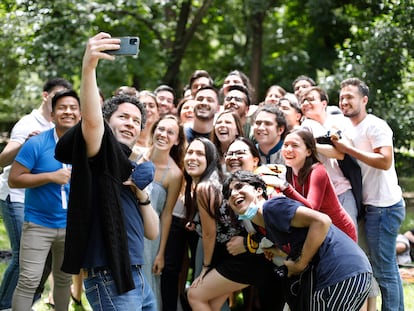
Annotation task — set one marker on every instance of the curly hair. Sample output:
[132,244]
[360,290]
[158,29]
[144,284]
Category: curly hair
[111,105]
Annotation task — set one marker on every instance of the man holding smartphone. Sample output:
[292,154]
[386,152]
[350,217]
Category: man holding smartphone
[108,215]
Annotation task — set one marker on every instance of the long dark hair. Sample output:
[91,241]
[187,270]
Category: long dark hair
[310,161]
[213,174]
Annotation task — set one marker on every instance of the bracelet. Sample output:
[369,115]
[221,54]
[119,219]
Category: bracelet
[252,245]
[206,266]
[146,202]
[285,186]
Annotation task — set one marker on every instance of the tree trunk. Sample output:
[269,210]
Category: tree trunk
[183,36]
[257,50]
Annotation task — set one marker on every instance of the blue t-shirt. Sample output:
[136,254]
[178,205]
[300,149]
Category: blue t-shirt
[96,255]
[339,256]
[190,134]
[43,204]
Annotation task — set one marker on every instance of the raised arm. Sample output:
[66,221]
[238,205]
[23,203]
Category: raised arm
[92,119]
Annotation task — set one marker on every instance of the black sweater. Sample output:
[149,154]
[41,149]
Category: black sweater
[114,168]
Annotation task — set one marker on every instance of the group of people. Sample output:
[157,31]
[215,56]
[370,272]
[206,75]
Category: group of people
[264,199]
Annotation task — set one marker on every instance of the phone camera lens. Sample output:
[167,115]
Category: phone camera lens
[133,41]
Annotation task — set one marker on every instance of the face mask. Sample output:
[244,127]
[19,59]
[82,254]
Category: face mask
[250,213]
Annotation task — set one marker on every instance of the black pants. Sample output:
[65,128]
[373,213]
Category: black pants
[178,240]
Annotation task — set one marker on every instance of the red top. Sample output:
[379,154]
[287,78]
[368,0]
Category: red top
[318,193]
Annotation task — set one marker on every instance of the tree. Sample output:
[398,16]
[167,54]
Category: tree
[272,41]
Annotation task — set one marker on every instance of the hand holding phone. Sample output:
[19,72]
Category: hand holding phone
[128,46]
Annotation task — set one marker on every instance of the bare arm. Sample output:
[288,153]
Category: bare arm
[205,203]
[11,150]
[380,158]
[173,191]
[92,120]
[409,236]
[151,221]
[9,153]
[21,177]
[329,151]
[149,215]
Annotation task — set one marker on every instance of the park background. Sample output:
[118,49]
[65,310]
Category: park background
[272,41]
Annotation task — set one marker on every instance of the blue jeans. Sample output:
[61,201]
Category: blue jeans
[382,227]
[102,294]
[13,214]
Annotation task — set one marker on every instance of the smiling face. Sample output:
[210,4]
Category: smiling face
[187,111]
[352,102]
[165,134]
[313,107]
[242,195]
[125,123]
[206,104]
[266,130]
[165,101]
[237,101]
[195,161]
[225,128]
[274,94]
[239,158]
[295,152]
[301,86]
[151,107]
[66,113]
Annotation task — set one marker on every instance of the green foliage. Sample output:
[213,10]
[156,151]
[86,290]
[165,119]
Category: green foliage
[379,54]
[275,39]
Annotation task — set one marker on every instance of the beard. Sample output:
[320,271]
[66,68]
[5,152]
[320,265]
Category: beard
[204,116]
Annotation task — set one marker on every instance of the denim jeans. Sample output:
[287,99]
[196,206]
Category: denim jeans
[382,227]
[102,294]
[13,214]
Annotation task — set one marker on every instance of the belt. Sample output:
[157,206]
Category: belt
[92,272]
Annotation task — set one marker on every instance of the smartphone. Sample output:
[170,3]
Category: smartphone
[129,46]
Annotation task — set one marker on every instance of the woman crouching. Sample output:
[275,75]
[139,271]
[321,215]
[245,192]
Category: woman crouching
[337,271]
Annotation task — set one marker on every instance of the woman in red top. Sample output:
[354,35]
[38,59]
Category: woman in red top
[308,181]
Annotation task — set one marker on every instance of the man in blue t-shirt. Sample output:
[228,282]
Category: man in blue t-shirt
[108,213]
[47,188]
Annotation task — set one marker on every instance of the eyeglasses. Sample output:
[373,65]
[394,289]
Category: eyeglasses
[236,99]
[237,153]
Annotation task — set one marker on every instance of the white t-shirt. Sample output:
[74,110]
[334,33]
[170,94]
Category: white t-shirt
[27,124]
[333,123]
[379,187]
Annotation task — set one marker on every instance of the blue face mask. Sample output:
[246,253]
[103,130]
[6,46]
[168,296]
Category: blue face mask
[250,213]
